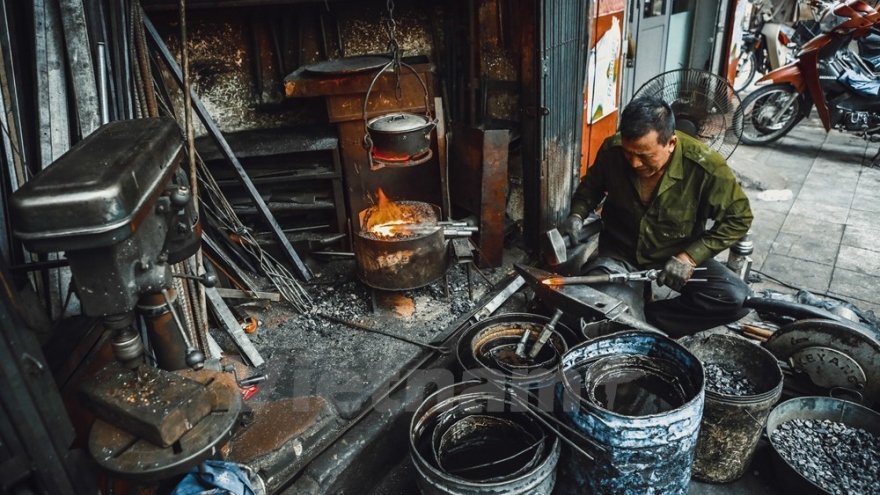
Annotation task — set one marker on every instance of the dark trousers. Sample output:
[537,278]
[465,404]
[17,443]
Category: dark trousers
[700,305]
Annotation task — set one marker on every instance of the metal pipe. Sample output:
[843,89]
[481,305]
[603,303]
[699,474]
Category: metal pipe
[103,97]
[166,342]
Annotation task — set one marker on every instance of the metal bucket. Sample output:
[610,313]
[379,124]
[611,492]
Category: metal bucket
[732,424]
[465,439]
[487,349]
[790,478]
[639,397]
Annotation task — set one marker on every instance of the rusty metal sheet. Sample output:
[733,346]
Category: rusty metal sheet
[301,83]
[346,65]
[478,164]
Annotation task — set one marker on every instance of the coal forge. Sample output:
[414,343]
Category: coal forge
[400,245]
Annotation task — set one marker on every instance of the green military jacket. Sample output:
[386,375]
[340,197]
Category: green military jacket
[697,189]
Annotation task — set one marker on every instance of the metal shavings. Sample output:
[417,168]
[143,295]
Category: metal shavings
[728,382]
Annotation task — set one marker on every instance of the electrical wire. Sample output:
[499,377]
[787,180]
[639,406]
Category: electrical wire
[797,288]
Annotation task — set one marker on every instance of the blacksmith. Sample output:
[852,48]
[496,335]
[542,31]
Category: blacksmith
[671,203]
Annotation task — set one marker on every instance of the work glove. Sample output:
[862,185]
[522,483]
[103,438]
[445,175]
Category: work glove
[572,226]
[675,274]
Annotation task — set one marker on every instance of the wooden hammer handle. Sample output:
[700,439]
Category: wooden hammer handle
[761,333]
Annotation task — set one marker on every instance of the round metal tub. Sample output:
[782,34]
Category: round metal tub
[487,349]
[488,444]
[789,477]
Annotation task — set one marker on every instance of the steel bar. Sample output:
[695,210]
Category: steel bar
[241,294]
[82,70]
[103,81]
[53,122]
[119,35]
[500,298]
[221,143]
[233,327]
[442,350]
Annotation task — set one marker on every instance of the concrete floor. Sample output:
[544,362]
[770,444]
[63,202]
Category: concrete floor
[824,237]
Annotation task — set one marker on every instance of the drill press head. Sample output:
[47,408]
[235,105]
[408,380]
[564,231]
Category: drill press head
[119,206]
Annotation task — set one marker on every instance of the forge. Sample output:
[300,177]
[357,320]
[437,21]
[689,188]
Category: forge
[400,245]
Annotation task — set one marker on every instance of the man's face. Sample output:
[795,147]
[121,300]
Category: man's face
[646,155]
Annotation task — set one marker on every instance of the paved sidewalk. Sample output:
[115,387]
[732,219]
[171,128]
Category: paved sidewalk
[826,237]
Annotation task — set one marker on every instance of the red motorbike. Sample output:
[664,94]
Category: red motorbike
[827,75]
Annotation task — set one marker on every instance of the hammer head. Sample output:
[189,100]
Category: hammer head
[553,247]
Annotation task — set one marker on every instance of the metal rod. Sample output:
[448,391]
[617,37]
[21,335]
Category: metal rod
[545,334]
[220,141]
[103,96]
[177,321]
[442,350]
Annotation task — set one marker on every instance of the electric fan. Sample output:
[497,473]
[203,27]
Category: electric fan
[705,106]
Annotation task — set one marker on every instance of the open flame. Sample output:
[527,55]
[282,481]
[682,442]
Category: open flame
[389,219]
[386,218]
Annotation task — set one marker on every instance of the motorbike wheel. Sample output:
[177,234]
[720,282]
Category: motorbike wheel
[760,108]
[746,68]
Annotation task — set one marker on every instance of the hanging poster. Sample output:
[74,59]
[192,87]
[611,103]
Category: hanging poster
[605,7]
[602,73]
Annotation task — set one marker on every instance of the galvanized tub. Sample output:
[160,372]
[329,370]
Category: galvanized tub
[639,397]
[469,439]
[732,424]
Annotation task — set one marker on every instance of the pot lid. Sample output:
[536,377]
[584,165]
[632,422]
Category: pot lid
[398,122]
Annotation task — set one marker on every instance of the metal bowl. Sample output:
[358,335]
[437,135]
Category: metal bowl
[814,408]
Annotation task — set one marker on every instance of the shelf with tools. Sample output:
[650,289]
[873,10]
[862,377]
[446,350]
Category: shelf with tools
[297,172]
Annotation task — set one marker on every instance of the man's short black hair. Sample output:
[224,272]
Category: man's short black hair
[646,114]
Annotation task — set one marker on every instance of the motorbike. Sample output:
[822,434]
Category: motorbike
[768,45]
[826,74]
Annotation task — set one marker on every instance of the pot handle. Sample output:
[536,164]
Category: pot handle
[368,142]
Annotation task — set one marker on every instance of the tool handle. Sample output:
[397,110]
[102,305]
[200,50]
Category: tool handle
[545,334]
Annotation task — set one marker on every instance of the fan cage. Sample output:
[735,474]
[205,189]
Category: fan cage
[705,106]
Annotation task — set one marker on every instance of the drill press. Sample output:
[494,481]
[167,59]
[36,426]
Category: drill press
[118,204]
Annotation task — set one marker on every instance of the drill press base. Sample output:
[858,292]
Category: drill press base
[130,457]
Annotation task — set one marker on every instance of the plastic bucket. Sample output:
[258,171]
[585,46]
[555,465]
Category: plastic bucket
[470,440]
[638,398]
[732,424]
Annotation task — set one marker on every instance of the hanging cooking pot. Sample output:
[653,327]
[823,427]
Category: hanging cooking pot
[398,139]
[400,136]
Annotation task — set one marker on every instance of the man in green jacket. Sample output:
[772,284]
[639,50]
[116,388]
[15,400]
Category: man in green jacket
[671,203]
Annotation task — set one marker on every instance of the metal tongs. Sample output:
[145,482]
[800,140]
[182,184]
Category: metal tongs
[642,276]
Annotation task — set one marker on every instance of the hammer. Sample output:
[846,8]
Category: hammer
[553,244]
